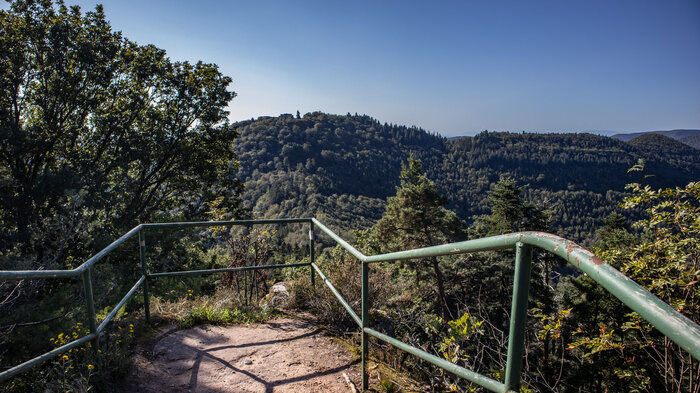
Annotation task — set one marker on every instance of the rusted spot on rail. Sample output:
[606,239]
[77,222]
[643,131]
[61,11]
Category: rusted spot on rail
[597,260]
[454,250]
[569,248]
[544,234]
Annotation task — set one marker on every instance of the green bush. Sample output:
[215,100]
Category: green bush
[80,369]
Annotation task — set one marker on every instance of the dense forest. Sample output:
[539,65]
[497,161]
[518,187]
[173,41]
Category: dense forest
[342,169]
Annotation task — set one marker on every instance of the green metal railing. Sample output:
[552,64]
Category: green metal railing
[668,321]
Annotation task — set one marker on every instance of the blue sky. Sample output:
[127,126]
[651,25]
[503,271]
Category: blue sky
[451,67]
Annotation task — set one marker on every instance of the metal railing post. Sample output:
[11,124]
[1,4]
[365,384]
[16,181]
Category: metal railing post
[144,272]
[518,316]
[365,324]
[312,272]
[92,318]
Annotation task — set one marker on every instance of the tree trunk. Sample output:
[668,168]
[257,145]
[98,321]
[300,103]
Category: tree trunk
[441,290]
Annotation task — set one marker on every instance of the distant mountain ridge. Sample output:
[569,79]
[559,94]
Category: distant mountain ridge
[342,169]
[689,137]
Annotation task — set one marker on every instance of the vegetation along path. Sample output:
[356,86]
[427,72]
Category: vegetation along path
[283,355]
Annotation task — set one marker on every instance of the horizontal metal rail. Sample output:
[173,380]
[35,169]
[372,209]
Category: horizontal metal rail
[462,372]
[39,274]
[47,356]
[226,270]
[121,304]
[204,224]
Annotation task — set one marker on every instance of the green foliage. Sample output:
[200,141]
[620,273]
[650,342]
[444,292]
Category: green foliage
[456,334]
[388,386]
[211,314]
[664,260]
[614,234]
[98,133]
[78,370]
[551,325]
[416,218]
[509,212]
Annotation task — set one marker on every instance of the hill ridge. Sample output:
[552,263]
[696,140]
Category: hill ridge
[690,137]
[342,168]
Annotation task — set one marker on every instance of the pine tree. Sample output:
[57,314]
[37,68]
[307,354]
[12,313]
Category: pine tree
[416,217]
[614,234]
[510,212]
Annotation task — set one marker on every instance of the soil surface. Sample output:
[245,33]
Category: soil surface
[283,355]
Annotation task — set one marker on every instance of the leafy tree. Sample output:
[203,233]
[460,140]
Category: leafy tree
[665,261]
[416,217]
[98,133]
[594,312]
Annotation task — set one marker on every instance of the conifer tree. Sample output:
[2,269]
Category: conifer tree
[510,212]
[416,217]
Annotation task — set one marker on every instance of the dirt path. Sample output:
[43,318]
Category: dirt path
[283,355]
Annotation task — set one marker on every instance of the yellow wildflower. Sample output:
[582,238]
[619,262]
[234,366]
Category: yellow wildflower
[65,357]
[90,367]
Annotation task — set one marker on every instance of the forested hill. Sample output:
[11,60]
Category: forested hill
[688,137]
[342,168]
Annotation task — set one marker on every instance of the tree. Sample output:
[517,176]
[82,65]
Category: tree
[614,234]
[488,278]
[665,261]
[509,211]
[416,217]
[98,133]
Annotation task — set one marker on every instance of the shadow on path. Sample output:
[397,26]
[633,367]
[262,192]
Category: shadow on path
[282,356]
[269,385]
